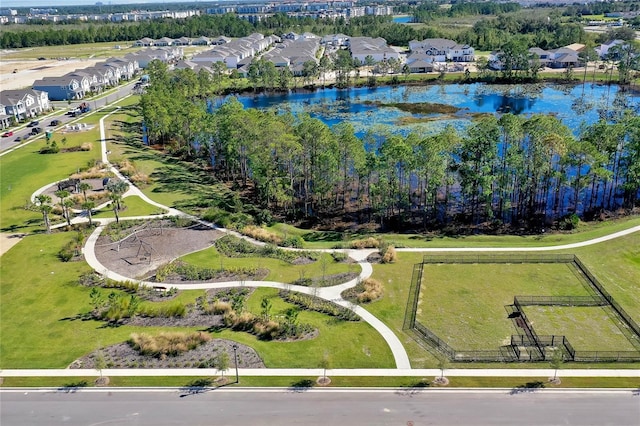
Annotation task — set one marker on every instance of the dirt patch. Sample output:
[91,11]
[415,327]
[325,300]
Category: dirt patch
[142,252]
[9,240]
[28,71]
[122,355]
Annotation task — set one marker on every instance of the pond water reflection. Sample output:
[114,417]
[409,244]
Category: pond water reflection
[365,107]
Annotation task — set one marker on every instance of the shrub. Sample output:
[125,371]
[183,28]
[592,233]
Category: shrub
[220,308]
[167,344]
[244,321]
[86,146]
[294,241]
[387,253]
[365,243]
[319,305]
[372,290]
[569,222]
[267,329]
[237,247]
[173,310]
[261,234]
[339,256]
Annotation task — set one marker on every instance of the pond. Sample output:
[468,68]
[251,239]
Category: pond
[403,19]
[368,107]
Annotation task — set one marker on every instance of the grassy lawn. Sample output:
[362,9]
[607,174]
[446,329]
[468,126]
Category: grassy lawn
[468,311]
[82,51]
[349,344]
[616,264]
[331,239]
[279,270]
[133,206]
[23,171]
[573,322]
[41,301]
[390,309]
[411,384]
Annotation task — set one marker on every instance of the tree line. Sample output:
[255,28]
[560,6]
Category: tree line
[513,170]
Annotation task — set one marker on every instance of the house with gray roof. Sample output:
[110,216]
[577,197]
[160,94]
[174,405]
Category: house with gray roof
[64,88]
[377,48]
[22,104]
[442,50]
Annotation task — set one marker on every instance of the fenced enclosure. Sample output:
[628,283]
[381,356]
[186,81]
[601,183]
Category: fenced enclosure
[526,345]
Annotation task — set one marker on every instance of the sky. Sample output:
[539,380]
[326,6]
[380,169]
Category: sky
[54,3]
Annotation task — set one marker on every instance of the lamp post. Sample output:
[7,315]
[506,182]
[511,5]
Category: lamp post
[235,361]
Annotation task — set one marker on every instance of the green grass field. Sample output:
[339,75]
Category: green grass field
[279,270]
[591,328]
[465,304]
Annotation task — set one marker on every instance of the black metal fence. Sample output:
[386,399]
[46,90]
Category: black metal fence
[497,258]
[528,346]
[616,307]
[414,293]
[560,301]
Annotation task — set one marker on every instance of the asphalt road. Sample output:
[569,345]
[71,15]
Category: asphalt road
[326,408]
[60,114]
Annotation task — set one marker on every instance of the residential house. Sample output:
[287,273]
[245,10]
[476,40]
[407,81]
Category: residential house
[603,49]
[182,41]
[336,40]
[63,88]
[220,40]
[377,48]
[164,41]
[201,41]
[96,81]
[442,50]
[143,42]
[24,103]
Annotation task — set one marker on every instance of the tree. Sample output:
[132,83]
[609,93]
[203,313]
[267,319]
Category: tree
[325,364]
[62,195]
[221,361]
[84,187]
[116,189]
[266,306]
[556,362]
[406,70]
[88,206]
[42,201]
[310,71]
[99,362]
[323,66]
[443,363]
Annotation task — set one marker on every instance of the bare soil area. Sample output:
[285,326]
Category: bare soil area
[143,251]
[26,72]
[122,355]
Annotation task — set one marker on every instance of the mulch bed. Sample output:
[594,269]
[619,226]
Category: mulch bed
[122,355]
[140,255]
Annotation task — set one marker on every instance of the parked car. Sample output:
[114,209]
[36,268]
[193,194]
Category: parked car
[7,134]
[36,130]
[33,123]
[54,123]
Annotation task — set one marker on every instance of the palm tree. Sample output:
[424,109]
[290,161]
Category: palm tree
[45,208]
[67,204]
[88,206]
[62,195]
[84,187]
[115,198]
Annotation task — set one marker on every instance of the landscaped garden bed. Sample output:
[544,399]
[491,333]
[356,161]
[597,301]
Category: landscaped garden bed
[124,355]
